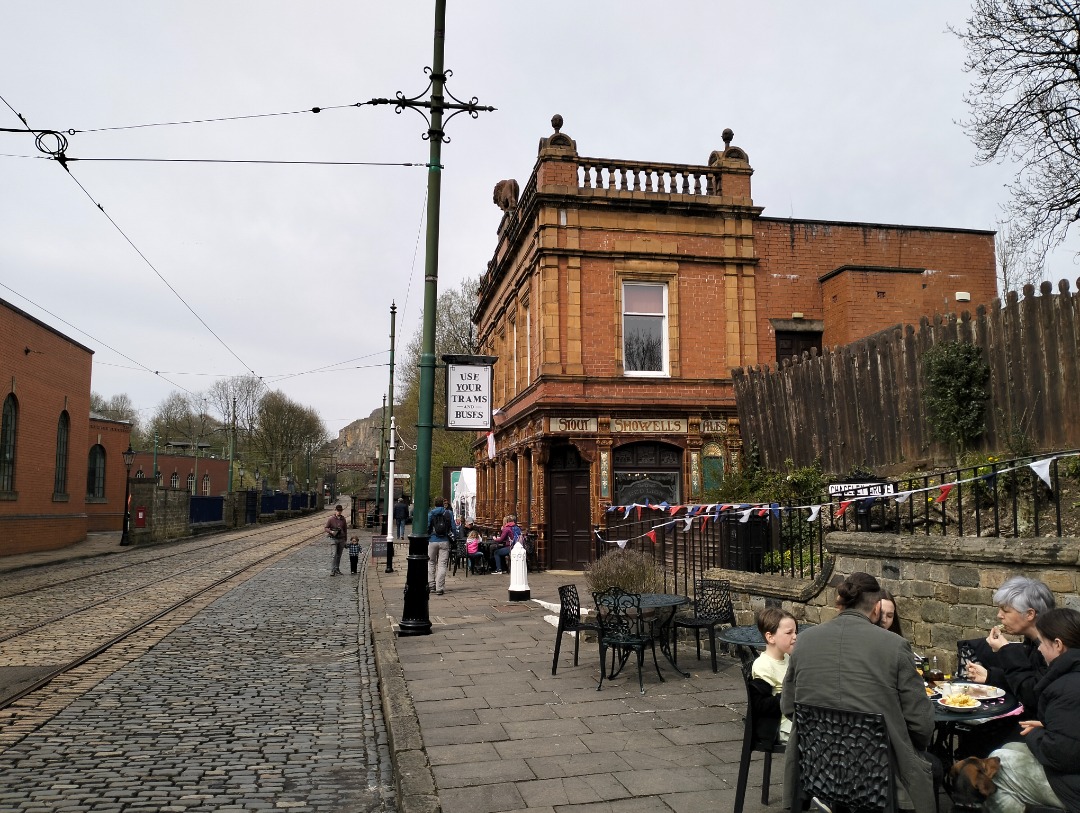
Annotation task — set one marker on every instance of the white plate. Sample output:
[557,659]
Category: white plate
[959,709]
[980,691]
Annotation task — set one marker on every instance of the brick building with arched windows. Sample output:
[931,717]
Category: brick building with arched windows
[61,469]
[622,293]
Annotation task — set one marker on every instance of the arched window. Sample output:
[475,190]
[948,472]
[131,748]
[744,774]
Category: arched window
[191,483]
[713,465]
[174,481]
[63,428]
[7,444]
[95,473]
[206,485]
[647,472]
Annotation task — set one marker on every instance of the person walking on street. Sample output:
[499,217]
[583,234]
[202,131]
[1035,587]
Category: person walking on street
[401,514]
[337,528]
[441,528]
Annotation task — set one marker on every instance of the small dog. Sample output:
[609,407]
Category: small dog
[972,781]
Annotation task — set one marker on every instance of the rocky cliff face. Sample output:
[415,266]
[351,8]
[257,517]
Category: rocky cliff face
[358,442]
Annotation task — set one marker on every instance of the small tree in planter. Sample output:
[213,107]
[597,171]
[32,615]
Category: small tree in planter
[629,570]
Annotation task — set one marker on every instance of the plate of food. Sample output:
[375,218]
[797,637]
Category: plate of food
[980,691]
[932,693]
[959,702]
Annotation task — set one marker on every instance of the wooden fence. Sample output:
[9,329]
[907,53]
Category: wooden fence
[862,404]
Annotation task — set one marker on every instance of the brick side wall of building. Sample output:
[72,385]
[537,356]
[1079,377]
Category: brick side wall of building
[48,374]
[794,255]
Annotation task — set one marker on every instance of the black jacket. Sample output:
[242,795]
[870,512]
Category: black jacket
[1017,668]
[1057,744]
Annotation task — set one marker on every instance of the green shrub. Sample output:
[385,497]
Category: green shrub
[956,379]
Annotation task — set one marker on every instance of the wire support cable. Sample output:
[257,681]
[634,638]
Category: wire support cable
[138,364]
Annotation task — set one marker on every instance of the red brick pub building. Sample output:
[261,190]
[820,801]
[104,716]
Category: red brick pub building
[621,294]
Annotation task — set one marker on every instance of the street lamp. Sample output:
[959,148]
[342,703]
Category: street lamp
[241,477]
[129,458]
[258,482]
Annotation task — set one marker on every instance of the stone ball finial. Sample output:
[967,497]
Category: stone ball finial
[727,135]
[556,122]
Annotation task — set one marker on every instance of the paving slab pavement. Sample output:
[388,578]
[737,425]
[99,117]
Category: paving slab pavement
[487,728]
[477,723]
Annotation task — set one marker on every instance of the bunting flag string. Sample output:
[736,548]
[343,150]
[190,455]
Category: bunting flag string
[713,511]
[1042,468]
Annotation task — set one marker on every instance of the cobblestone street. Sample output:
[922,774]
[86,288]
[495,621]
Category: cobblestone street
[265,699]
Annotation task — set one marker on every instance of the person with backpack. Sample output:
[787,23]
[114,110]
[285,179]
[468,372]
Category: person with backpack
[441,529]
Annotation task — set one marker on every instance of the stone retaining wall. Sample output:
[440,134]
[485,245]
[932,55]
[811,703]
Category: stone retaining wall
[944,587]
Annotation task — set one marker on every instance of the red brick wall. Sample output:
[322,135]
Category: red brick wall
[114,436]
[794,255]
[48,373]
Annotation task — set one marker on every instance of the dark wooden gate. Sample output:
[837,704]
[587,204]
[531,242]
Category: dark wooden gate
[568,510]
[251,506]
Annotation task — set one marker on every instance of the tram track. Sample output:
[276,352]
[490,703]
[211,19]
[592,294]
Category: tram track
[234,552]
[229,539]
[40,681]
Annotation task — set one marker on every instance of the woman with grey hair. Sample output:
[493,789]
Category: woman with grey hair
[1016,667]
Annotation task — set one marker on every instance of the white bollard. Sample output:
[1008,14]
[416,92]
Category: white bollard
[519,573]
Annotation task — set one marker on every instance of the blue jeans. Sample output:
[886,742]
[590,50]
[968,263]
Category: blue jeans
[400,528]
[499,555]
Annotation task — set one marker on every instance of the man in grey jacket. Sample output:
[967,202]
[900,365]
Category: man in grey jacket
[851,663]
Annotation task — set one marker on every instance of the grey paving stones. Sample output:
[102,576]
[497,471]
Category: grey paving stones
[266,700]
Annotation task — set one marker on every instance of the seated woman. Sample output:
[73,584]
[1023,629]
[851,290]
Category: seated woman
[777,627]
[502,544]
[890,618]
[1044,769]
[1011,666]
[1015,667]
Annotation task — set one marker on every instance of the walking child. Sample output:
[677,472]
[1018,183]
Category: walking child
[354,552]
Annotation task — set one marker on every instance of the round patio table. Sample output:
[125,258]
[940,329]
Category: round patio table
[653,604]
[947,723]
[749,635]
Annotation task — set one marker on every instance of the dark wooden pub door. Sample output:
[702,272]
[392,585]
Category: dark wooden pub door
[568,510]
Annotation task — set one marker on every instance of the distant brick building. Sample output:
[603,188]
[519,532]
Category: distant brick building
[622,293]
[57,465]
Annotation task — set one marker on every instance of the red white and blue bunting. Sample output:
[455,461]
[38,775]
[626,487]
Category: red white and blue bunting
[703,513]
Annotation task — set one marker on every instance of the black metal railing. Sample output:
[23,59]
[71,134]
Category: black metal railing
[997,498]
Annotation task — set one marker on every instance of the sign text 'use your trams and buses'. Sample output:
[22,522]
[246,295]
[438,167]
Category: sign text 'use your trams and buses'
[468,396]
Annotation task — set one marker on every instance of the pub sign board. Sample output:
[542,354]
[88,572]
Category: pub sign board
[468,392]
[865,489]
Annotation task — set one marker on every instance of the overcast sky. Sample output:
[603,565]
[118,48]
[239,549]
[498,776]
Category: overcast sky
[848,111]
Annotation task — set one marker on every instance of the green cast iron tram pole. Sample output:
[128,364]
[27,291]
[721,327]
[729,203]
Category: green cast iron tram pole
[414,619]
[426,416]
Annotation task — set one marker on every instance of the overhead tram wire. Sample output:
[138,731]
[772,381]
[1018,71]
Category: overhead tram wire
[53,143]
[139,365]
[316,109]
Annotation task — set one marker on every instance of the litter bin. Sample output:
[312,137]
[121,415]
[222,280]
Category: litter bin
[745,544]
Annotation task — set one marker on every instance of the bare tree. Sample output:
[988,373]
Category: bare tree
[287,433]
[1025,106]
[170,418]
[1018,263]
